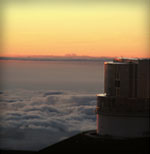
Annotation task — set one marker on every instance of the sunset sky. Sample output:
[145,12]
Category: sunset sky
[90,28]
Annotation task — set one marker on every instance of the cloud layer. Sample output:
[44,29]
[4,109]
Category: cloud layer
[31,120]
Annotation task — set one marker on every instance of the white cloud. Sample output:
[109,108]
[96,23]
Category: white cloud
[34,119]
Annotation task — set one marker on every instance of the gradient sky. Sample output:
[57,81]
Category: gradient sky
[66,28]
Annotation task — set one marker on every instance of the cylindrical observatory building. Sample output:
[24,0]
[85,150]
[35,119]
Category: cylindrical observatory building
[123,109]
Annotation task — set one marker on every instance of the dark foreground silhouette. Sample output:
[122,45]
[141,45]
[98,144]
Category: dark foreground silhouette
[89,141]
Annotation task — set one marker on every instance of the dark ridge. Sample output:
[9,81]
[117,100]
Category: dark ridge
[91,142]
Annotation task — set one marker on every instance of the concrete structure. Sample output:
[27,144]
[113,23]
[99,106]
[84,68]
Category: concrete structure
[123,109]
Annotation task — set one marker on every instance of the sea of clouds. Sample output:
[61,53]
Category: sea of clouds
[32,120]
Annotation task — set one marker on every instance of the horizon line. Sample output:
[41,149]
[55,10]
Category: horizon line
[71,56]
[62,58]
[54,58]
